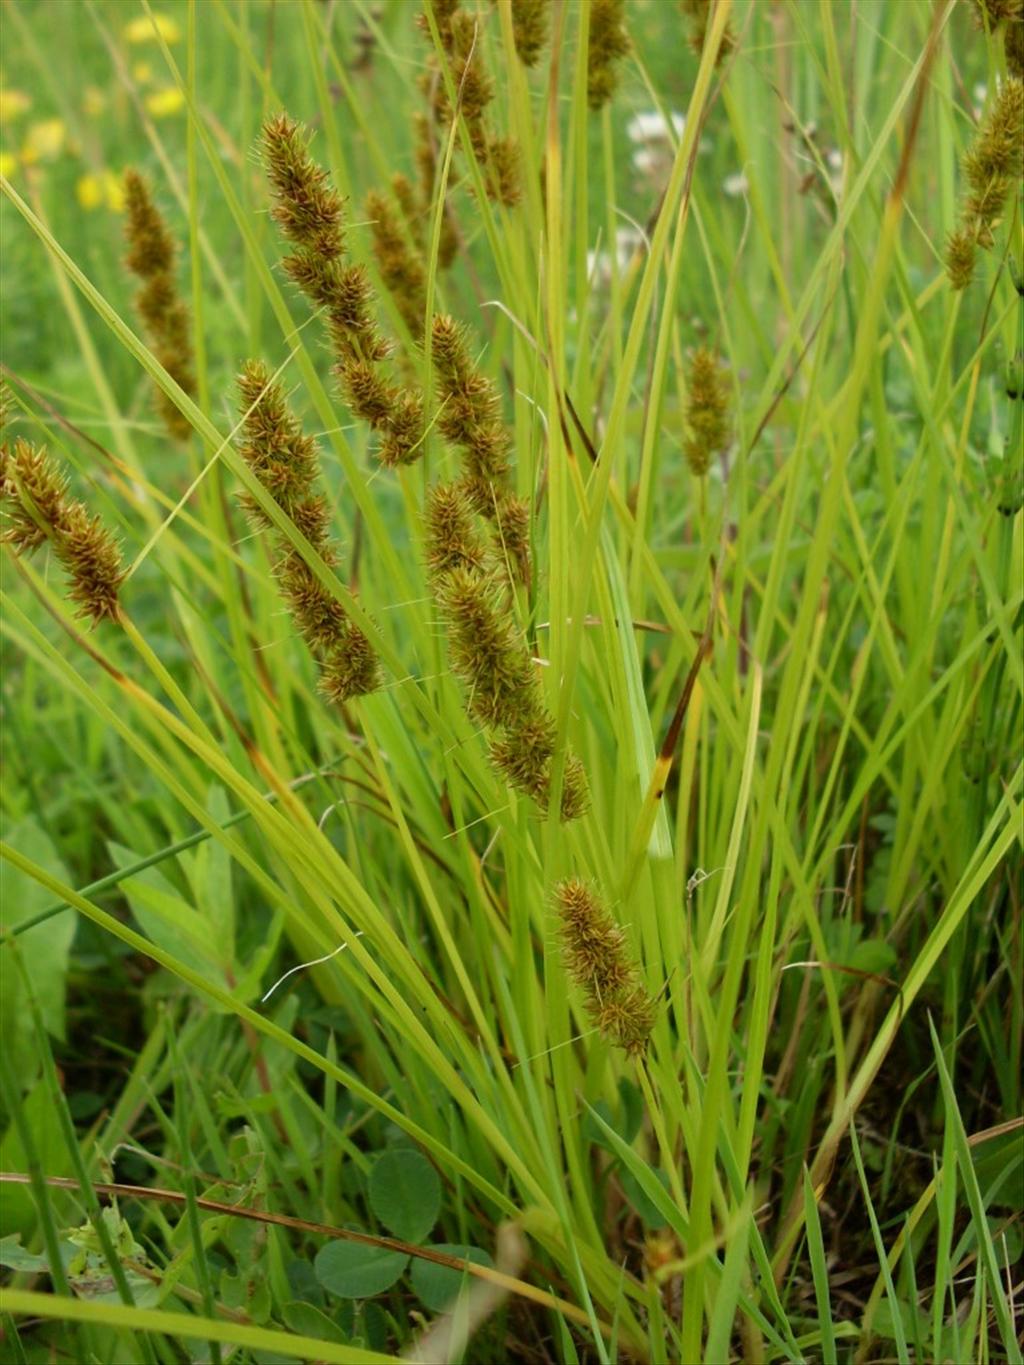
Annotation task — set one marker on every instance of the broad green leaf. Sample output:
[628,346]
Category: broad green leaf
[352,1270]
[44,950]
[405,1193]
[17,1207]
[436,1285]
[310,1321]
[167,919]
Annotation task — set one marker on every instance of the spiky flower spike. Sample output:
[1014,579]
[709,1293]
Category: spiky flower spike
[995,160]
[460,34]
[400,264]
[309,212]
[699,13]
[426,164]
[151,256]
[486,647]
[993,165]
[39,511]
[285,462]
[490,655]
[989,14]
[707,409]
[530,20]
[470,418]
[451,539]
[523,753]
[961,252]
[607,44]
[596,957]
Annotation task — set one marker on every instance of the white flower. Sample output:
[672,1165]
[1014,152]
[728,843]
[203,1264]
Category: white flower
[599,263]
[735,185]
[650,163]
[654,127]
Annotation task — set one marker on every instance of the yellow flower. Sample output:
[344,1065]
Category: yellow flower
[13,104]
[142,72]
[101,188]
[89,190]
[166,101]
[141,30]
[94,101]
[113,189]
[44,141]
[8,164]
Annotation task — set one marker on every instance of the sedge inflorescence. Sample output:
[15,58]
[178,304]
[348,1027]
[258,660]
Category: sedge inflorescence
[530,21]
[992,167]
[470,419]
[285,462]
[596,957]
[308,210]
[707,410]
[699,13]
[489,653]
[497,156]
[151,256]
[393,222]
[607,44]
[1007,17]
[38,510]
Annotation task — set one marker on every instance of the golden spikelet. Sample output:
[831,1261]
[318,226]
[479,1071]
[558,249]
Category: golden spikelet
[992,166]
[151,256]
[460,33]
[961,251]
[39,511]
[607,44]
[310,213]
[707,408]
[595,955]
[400,264]
[489,653]
[530,22]
[699,12]
[285,462]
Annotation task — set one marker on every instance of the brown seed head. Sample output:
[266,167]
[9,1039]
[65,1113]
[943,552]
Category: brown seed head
[307,208]
[960,256]
[450,538]
[607,44]
[400,265]
[530,20]
[706,410]
[487,650]
[39,511]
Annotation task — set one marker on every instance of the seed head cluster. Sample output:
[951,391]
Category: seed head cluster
[470,419]
[38,511]
[461,38]
[699,13]
[489,653]
[285,462]
[398,258]
[308,210]
[530,22]
[607,44]
[596,957]
[992,166]
[151,256]
[707,410]
[426,166]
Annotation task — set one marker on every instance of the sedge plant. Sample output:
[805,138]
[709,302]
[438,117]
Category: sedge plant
[513,811]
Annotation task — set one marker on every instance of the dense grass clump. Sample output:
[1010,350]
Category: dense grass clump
[512,825]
